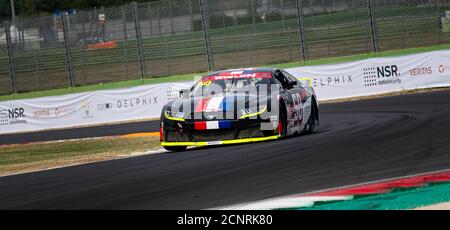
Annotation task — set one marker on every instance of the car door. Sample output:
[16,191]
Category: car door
[292,97]
[305,97]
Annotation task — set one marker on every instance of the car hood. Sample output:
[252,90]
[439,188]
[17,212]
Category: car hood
[226,103]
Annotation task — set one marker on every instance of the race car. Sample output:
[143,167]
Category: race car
[239,106]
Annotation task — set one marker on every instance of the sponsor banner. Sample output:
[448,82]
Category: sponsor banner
[88,108]
[377,75]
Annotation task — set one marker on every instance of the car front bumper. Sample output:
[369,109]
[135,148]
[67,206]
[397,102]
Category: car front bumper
[186,133]
[224,142]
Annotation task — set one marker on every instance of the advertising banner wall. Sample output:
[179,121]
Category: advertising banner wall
[377,75]
[89,108]
[359,78]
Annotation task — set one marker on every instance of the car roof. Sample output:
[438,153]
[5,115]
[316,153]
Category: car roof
[246,70]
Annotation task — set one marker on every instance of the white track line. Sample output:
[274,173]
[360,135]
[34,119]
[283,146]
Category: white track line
[285,202]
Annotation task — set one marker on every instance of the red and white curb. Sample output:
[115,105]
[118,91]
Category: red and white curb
[343,193]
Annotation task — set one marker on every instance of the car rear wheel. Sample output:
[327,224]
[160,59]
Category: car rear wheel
[282,121]
[176,148]
[311,124]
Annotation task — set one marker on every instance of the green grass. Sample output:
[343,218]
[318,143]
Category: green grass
[20,158]
[190,77]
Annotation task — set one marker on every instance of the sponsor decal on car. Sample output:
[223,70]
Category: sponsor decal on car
[205,125]
[235,75]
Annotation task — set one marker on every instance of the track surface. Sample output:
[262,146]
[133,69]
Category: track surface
[357,142]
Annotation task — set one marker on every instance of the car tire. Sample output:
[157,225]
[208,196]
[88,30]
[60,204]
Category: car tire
[176,148]
[311,124]
[282,121]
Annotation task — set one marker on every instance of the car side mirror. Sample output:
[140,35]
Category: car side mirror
[184,92]
[292,83]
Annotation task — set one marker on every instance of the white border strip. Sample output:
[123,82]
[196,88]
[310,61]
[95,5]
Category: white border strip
[303,200]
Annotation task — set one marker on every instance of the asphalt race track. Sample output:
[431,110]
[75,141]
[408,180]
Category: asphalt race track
[357,142]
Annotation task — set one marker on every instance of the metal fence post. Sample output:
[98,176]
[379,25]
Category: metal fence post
[150,23]
[125,41]
[328,40]
[354,10]
[103,25]
[373,27]
[83,27]
[67,46]
[138,40]
[36,64]
[22,34]
[81,49]
[282,14]
[159,21]
[249,47]
[205,24]
[171,17]
[191,13]
[12,73]
[82,64]
[253,11]
[289,44]
[299,5]
[167,50]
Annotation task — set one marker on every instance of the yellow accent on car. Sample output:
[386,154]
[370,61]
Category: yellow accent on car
[225,142]
[253,114]
[172,118]
[184,143]
[310,80]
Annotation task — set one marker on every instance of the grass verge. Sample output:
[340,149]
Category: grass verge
[190,77]
[39,156]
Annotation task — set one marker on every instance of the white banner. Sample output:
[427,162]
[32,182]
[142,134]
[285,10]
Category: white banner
[360,78]
[377,75]
[104,106]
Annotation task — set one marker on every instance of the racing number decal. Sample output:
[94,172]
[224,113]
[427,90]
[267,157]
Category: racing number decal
[205,83]
[297,113]
[304,95]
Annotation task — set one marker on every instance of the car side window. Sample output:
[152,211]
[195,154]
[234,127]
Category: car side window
[282,79]
[290,77]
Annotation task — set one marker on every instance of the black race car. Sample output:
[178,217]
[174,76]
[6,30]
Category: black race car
[239,106]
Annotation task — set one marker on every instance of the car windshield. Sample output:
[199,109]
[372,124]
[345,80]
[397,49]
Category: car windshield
[230,82]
